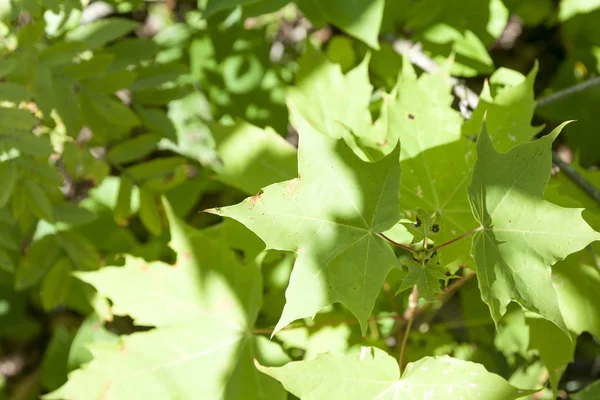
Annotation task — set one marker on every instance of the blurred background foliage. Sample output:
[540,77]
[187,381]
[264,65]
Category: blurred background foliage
[109,107]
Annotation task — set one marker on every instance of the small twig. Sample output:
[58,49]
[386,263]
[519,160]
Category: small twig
[581,181]
[402,246]
[409,315]
[456,239]
[561,94]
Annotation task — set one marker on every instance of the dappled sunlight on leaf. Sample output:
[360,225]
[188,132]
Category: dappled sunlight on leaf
[522,235]
[330,216]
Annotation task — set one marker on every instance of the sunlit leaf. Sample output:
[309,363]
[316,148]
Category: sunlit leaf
[330,215]
[373,374]
[506,197]
[201,308]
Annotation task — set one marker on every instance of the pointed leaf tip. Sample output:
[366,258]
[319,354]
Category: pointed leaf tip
[214,210]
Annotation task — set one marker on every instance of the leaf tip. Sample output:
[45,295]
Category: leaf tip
[556,131]
[215,211]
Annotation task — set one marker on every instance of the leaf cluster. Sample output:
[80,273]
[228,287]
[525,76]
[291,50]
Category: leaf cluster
[262,199]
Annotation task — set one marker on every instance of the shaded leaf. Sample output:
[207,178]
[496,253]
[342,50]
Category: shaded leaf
[133,149]
[8,177]
[97,33]
[37,261]
[427,278]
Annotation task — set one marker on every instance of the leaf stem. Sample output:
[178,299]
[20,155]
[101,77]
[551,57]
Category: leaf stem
[456,239]
[409,315]
[402,246]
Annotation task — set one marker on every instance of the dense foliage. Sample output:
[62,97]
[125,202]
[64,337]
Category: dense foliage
[324,199]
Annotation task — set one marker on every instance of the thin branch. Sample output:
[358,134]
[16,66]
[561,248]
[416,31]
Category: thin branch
[578,179]
[561,94]
[402,246]
[409,315]
[456,239]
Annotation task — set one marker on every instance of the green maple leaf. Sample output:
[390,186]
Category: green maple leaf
[203,309]
[521,235]
[333,102]
[251,157]
[331,216]
[508,114]
[590,392]
[361,19]
[577,284]
[554,348]
[427,277]
[420,114]
[436,161]
[373,374]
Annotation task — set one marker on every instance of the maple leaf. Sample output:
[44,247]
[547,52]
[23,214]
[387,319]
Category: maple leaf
[373,374]
[334,102]
[427,277]
[203,309]
[436,161]
[331,216]
[507,115]
[521,235]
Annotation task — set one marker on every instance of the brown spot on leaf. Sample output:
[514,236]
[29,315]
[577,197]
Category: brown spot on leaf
[255,198]
[292,189]
[106,393]
[411,116]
